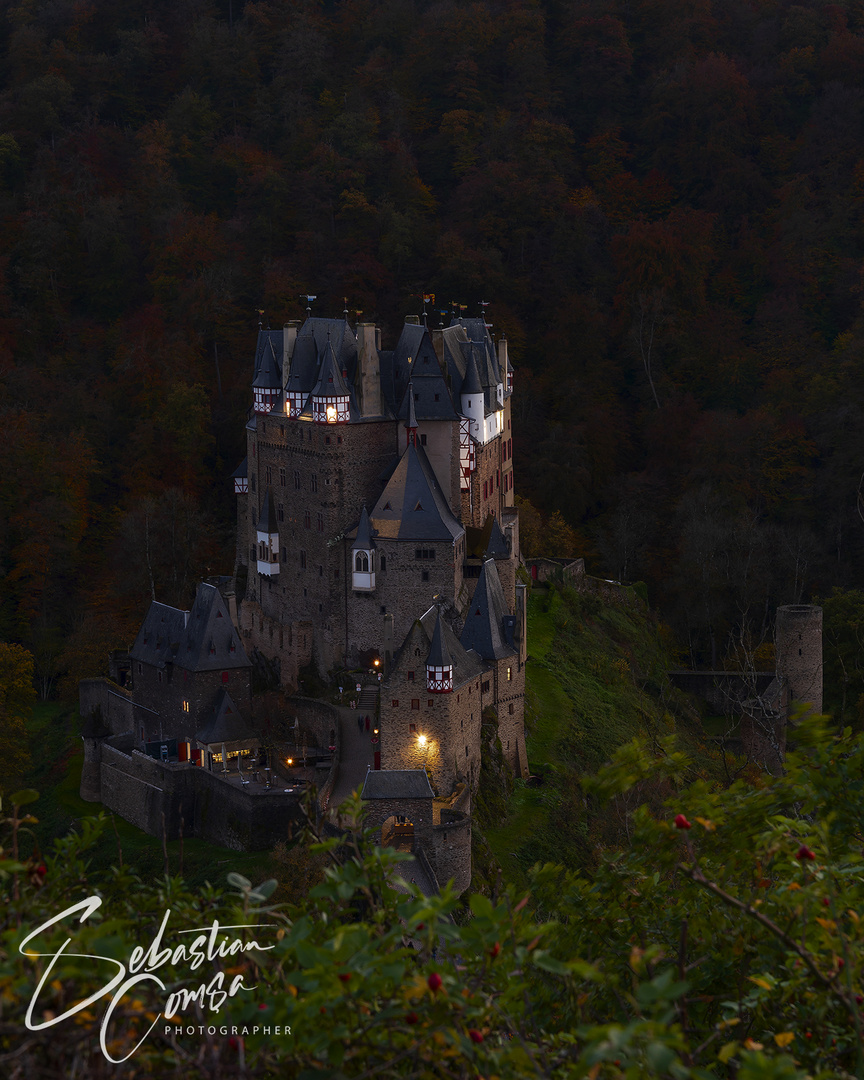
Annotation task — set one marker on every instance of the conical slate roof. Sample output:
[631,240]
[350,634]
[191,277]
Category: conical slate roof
[242,470]
[488,617]
[267,521]
[472,384]
[411,422]
[439,654]
[331,382]
[364,533]
[269,373]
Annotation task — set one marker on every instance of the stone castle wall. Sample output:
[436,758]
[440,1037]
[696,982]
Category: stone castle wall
[448,849]
[112,702]
[156,796]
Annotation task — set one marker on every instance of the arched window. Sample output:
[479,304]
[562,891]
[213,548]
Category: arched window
[361,562]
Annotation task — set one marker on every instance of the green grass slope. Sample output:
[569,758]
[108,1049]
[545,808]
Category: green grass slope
[596,677]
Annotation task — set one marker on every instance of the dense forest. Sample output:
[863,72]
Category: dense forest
[661,200]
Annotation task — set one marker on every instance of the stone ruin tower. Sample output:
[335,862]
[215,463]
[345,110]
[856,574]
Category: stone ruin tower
[767,717]
[798,650]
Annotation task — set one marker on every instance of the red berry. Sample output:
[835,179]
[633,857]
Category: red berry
[323,1011]
[411,1018]
[681,822]
[42,869]
[496,948]
[262,1005]
[841,964]
[345,976]
[808,1034]
[804,854]
[475,1035]
[434,981]
[420,926]
[232,1042]
[825,901]
[859,1000]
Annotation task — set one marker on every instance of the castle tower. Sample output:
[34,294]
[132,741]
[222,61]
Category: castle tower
[798,649]
[268,380]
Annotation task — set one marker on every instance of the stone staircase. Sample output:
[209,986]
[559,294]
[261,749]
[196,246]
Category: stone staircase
[369,699]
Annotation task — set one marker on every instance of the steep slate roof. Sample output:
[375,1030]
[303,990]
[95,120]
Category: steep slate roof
[331,382]
[242,470]
[411,418]
[466,665]
[497,547]
[267,521]
[439,654]
[424,369]
[226,725]
[268,372]
[185,638]
[310,347]
[397,784]
[472,384]
[418,509]
[364,540]
[488,622]
[268,340]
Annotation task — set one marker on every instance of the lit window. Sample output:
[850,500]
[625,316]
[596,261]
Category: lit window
[509,674]
[185,706]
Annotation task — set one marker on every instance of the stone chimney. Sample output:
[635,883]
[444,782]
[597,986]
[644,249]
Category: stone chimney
[413,320]
[369,374]
[289,337]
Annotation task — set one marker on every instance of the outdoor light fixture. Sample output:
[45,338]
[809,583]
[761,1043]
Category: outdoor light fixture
[290,760]
[376,662]
[421,740]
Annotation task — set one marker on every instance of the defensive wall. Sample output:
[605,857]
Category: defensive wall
[170,796]
[184,798]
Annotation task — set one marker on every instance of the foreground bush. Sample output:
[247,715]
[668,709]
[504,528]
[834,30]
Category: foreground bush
[724,942]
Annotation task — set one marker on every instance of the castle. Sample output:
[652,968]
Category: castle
[376,533]
[377,529]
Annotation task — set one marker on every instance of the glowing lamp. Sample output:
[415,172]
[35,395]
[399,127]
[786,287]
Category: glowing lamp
[331,414]
[290,760]
[421,740]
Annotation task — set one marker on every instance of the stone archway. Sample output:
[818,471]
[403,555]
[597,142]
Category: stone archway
[397,831]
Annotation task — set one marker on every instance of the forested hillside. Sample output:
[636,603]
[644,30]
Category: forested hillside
[661,202]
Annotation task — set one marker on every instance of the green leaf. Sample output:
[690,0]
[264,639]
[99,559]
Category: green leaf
[266,889]
[550,963]
[481,906]
[23,797]
[239,882]
[727,1051]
